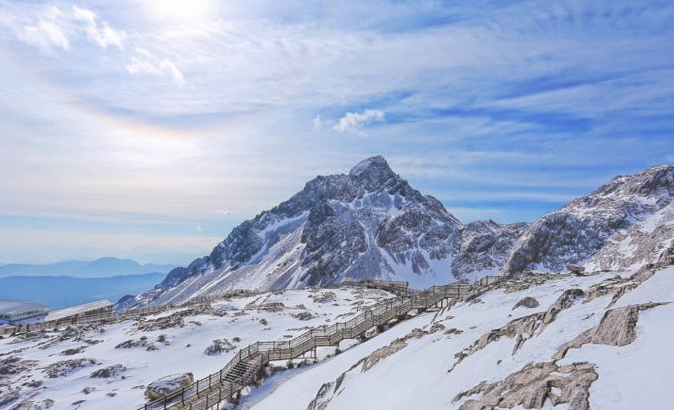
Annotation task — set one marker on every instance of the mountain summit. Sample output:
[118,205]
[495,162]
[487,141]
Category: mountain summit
[368,224]
[371,224]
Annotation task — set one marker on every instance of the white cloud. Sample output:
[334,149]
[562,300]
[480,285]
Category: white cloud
[318,123]
[51,27]
[145,63]
[45,34]
[197,227]
[353,122]
[102,35]
[223,212]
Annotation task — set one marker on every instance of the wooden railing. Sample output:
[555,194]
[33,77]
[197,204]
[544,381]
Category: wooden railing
[212,390]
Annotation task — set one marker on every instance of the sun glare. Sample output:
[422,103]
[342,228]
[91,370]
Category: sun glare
[180,10]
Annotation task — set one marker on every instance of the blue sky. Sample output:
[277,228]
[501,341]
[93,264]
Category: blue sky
[149,129]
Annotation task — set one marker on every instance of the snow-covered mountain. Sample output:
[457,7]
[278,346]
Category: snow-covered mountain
[626,223]
[369,224]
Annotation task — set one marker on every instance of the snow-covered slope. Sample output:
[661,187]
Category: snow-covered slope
[56,369]
[369,224]
[625,223]
[596,342]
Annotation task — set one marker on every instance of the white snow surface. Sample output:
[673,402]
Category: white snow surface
[199,331]
[635,376]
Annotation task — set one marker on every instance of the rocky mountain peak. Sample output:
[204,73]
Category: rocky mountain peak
[372,173]
[644,192]
[658,180]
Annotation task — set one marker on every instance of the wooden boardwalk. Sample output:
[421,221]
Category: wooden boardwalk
[247,366]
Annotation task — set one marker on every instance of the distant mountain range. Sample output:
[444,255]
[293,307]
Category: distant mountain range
[371,224]
[99,268]
[62,291]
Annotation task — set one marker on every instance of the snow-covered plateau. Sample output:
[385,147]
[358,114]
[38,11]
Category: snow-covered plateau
[535,341]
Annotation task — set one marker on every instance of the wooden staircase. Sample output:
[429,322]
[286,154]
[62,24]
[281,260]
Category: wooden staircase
[240,370]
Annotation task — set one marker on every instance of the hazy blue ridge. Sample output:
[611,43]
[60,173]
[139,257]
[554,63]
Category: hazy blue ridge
[63,291]
[99,268]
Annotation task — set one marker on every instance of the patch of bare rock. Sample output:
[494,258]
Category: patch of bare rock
[174,320]
[304,315]
[168,384]
[15,365]
[218,346]
[527,302]
[109,372]
[533,385]
[617,328]
[65,367]
[143,341]
[523,328]
[324,297]
[328,390]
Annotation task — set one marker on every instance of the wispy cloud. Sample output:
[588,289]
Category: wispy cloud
[102,35]
[171,107]
[145,63]
[317,123]
[51,26]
